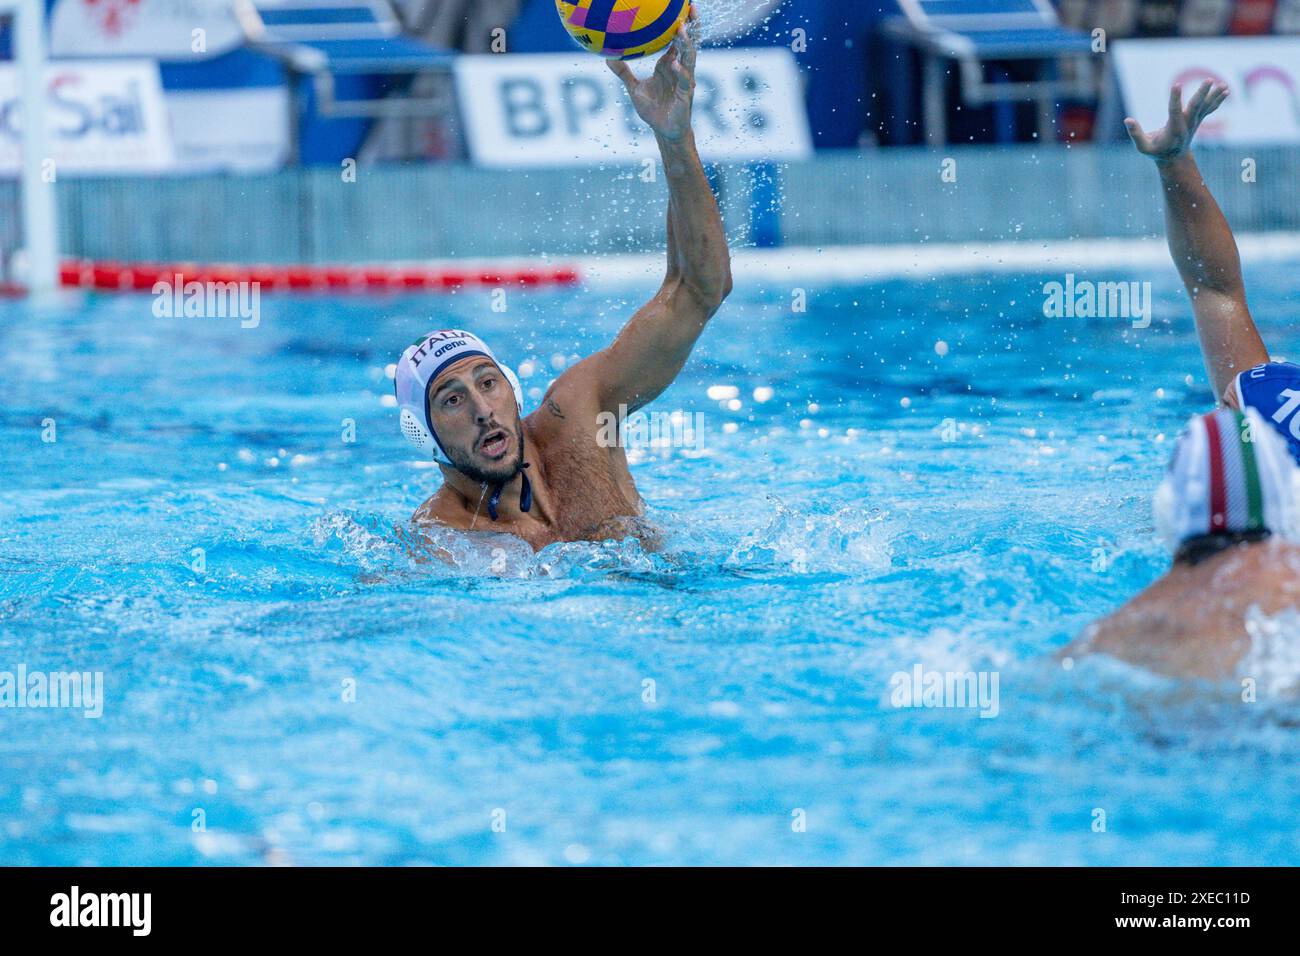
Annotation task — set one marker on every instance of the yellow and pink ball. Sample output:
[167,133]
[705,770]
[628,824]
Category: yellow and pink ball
[622,29]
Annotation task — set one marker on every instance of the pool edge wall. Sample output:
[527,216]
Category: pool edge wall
[425,211]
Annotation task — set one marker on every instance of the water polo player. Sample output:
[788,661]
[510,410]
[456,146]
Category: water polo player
[1206,256]
[1229,511]
[547,477]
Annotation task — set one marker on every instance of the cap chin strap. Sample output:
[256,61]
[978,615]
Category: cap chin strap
[525,489]
[525,494]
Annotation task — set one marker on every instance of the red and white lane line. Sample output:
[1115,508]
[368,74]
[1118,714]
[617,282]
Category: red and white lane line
[845,264]
[369,278]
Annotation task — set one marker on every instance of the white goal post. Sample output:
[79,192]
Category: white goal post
[39,226]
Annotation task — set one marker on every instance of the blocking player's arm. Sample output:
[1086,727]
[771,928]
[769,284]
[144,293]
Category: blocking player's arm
[1201,242]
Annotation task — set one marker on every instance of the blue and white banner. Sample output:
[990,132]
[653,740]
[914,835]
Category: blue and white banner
[229,112]
[557,109]
[100,117]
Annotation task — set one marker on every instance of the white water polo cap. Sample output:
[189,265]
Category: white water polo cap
[417,370]
[1231,473]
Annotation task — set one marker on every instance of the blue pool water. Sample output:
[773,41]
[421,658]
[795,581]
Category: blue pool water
[308,688]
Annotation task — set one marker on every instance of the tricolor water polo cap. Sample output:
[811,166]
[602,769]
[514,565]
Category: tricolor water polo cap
[1230,474]
[417,370]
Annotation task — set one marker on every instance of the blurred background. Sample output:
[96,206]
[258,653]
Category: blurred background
[289,131]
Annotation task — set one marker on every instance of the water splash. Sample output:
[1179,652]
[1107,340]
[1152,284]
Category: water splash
[1273,659]
[849,539]
[382,551]
[722,20]
[370,542]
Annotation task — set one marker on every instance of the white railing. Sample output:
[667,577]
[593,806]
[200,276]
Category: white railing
[39,226]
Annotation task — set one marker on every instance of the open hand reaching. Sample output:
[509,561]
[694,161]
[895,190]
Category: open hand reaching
[1176,136]
[663,100]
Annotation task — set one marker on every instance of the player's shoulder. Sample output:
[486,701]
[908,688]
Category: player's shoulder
[571,403]
[444,507]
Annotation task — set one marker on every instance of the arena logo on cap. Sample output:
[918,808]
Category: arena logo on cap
[447,348]
[176,298]
[452,339]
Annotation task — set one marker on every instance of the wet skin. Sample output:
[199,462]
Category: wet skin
[1192,621]
[474,413]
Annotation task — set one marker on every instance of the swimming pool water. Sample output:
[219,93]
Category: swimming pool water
[309,688]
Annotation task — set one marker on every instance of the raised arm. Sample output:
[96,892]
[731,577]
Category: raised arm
[1201,242]
[654,345]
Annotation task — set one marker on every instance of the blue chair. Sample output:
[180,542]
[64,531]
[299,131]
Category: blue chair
[326,40]
[976,32]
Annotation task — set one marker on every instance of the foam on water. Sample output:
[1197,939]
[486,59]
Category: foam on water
[1273,659]
[851,540]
